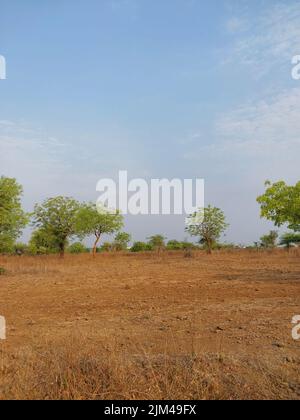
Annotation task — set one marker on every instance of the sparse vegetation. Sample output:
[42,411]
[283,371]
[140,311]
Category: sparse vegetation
[92,222]
[194,331]
[208,224]
[150,347]
[270,240]
[290,239]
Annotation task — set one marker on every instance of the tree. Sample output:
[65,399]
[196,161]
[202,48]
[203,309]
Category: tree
[57,219]
[208,224]
[141,247]
[93,222]
[121,241]
[270,240]
[289,239]
[77,248]
[12,218]
[174,245]
[157,242]
[42,242]
[281,204]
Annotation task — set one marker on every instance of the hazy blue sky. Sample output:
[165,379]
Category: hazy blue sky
[162,88]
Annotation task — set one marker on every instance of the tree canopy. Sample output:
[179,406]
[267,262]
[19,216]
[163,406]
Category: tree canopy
[281,204]
[92,222]
[57,219]
[208,224]
[12,218]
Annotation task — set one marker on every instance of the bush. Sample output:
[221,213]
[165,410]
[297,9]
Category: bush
[21,249]
[77,248]
[107,247]
[141,247]
[174,246]
[122,241]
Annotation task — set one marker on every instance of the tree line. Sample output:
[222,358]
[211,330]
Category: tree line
[58,221]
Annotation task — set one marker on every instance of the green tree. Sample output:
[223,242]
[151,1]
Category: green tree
[122,241]
[174,245]
[289,239]
[91,221]
[77,248]
[281,204]
[141,247]
[270,240]
[157,242]
[57,219]
[208,224]
[42,242]
[12,218]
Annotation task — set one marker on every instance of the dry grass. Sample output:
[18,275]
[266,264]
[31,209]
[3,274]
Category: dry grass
[151,327]
[75,370]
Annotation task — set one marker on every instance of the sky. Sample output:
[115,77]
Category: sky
[162,89]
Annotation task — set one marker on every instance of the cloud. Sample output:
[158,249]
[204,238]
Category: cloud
[270,39]
[263,137]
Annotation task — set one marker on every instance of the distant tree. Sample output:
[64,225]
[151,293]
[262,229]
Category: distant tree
[270,240]
[91,221]
[141,247]
[289,239]
[107,247]
[174,245]
[208,224]
[157,242]
[281,204]
[12,218]
[122,241]
[77,248]
[57,219]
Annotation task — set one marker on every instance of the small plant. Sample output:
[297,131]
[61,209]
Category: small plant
[2,271]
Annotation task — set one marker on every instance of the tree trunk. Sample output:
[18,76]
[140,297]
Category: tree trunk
[209,247]
[62,250]
[95,245]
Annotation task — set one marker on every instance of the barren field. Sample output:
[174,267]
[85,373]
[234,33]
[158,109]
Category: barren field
[149,326]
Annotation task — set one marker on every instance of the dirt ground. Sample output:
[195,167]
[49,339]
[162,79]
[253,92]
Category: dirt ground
[232,308]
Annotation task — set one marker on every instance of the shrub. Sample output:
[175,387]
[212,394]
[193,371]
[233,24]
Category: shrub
[20,249]
[77,248]
[107,247]
[141,247]
[122,241]
[174,246]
